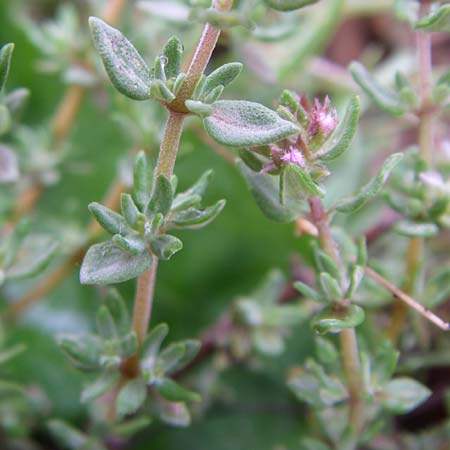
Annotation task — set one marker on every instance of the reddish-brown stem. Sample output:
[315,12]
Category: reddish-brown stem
[200,58]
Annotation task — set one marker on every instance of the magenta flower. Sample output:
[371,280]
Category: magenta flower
[293,156]
[323,118]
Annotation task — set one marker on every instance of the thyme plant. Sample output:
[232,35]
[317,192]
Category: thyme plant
[346,337]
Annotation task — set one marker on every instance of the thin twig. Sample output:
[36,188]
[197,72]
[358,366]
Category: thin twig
[404,297]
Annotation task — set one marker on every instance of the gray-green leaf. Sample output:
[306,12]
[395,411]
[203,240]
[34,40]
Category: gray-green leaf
[384,98]
[342,136]
[99,386]
[172,51]
[111,221]
[265,190]
[222,76]
[127,70]
[106,263]
[165,246]
[240,123]
[173,392]
[334,320]
[402,395]
[438,20]
[297,184]
[352,204]
[131,397]
[5,61]
[194,218]
[289,5]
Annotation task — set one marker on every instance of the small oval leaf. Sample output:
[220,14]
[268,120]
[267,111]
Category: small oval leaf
[342,136]
[289,5]
[106,263]
[239,123]
[127,70]
[352,204]
[385,99]
[333,320]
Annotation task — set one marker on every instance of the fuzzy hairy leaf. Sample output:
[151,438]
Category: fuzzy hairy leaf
[402,395]
[240,123]
[438,20]
[265,190]
[165,246]
[333,320]
[385,99]
[106,263]
[142,181]
[153,341]
[371,189]
[99,386]
[289,5]
[172,51]
[174,392]
[416,229]
[342,136]
[111,221]
[127,70]
[162,197]
[83,351]
[131,397]
[222,76]
[5,60]
[297,184]
[33,257]
[194,218]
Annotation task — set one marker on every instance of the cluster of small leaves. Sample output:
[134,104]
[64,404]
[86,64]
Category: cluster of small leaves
[139,232]
[321,384]
[264,319]
[421,196]
[129,72]
[104,353]
[63,44]
[335,290]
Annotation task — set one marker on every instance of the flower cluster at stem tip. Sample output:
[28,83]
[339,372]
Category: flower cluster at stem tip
[320,120]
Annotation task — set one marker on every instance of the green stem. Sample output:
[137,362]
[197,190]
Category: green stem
[348,342]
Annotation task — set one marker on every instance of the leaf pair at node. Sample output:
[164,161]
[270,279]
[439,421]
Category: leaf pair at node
[422,197]
[129,72]
[139,232]
[335,290]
